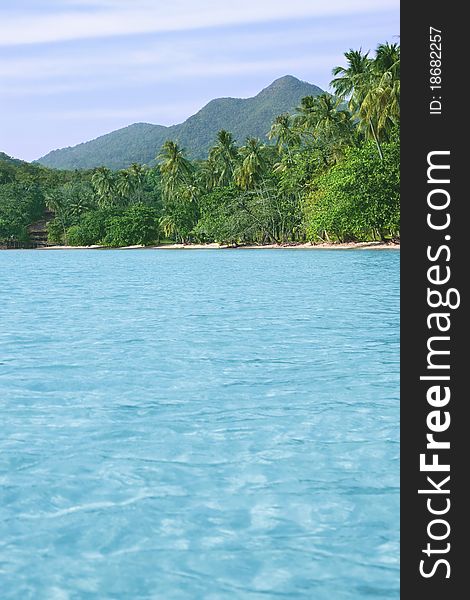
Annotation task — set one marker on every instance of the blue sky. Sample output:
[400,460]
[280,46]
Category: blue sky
[72,70]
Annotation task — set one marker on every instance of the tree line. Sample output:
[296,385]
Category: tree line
[329,173]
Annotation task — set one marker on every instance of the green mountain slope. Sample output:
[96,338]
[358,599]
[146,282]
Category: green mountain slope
[5,159]
[141,142]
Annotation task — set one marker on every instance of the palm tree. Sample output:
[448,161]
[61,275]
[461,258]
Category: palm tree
[305,119]
[139,174]
[56,203]
[372,87]
[138,171]
[68,202]
[253,166]
[352,82]
[387,58]
[382,102]
[168,226]
[326,119]
[223,157]
[283,131]
[125,185]
[79,198]
[208,175]
[104,184]
[175,168]
[179,190]
[323,118]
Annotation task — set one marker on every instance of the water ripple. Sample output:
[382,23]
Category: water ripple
[187,425]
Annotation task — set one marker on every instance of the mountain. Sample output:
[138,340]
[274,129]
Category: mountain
[5,159]
[14,170]
[141,142]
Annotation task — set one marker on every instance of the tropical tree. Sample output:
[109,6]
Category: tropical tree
[68,202]
[179,190]
[359,198]
[330,125]
[104,183]
[137,224]
[91,228]
[168,226]
[56,203]
[284,132]
[125,185]
[20,205]
[253,166]
[223,158]
[352,81]
[305,118]
[139,177]
[321,177]
[208,176]
[372,87]
[287,137]
[175,169]
[381,104]
[78,195]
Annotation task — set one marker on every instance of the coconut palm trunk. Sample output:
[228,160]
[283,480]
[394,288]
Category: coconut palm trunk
[376,139]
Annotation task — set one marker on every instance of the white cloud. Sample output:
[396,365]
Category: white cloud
[212,69]
[162,112]
[164,53]
[57,94]
[162,58]
[104,19]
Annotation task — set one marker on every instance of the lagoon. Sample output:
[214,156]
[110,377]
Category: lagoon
[199,424]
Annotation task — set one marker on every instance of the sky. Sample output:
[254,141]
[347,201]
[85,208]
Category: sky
[71,70]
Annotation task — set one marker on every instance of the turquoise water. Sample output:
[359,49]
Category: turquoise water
[199,424]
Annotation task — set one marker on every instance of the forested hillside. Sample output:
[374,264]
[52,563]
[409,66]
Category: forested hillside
[141,142]
[331,173]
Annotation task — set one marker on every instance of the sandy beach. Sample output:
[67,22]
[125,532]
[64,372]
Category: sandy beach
[214,246]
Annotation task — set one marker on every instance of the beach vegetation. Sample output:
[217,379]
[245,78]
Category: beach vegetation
[327,172]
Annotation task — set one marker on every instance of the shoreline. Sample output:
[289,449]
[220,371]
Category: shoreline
[214,246]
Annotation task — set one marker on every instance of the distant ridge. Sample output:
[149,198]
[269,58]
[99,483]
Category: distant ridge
[141,142]
[5,158]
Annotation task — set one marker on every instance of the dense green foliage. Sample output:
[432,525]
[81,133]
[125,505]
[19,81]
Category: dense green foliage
[140,143]
[331,173]
[22,196]
[136,224]
[357,199]
[19,204]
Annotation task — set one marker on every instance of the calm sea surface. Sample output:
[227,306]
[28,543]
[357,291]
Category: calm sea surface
[199,424]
